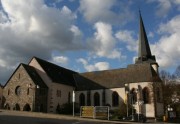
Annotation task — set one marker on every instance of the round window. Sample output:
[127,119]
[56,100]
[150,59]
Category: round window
[18,90]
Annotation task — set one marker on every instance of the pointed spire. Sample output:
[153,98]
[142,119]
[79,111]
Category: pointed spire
[144,49]
[144,52]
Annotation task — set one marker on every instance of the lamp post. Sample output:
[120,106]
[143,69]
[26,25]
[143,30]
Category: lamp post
[170,109]
[127,98]
[139,102]
[73,100]
[137,96]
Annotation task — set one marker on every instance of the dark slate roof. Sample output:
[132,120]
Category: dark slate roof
[32,73]
[1,85]
[34,76]
[116,78]
[56,73]
[144,52]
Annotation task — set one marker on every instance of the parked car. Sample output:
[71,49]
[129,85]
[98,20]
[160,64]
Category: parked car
[136,118]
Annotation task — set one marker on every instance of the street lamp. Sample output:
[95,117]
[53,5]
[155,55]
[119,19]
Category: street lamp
[127,98]
[139,102]
[73,100]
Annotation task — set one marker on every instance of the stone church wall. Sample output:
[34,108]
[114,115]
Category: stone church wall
[17,100]
[59,94]
[1,96]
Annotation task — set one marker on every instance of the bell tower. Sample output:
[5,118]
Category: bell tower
[144,51]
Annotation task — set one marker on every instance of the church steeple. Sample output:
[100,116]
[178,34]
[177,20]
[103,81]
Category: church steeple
[144,52]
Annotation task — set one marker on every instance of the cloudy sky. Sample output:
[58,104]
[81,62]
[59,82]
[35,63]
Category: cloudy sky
[86,35]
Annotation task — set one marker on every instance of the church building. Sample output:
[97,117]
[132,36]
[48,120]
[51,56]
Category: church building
[1,96]
[41,86]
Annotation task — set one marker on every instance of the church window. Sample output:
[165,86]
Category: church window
[96,99]
[28,91]
[17,107]
[103,97]
[145,93]
[115,99]
[88,98]
[8,91]
[69,97]
[58,93]
[158,94]
[82,99]
[7,106]
[19,76]
[18,90]
[133,96]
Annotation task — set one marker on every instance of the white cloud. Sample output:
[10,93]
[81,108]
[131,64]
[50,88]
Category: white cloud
[60,60]
[103,43]
[150,35]
[98,10]
[31,28]
[96,67]
[102,65]
[163,7]
[167,49]
[127,37]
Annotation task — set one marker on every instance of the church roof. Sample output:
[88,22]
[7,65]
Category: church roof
[116,78]
[144,49]
[1,85]
[56,73]
[34,76]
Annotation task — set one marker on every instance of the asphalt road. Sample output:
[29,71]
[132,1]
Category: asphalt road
[33,120]
[16,117]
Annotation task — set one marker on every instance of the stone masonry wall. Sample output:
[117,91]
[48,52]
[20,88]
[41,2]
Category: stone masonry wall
[26,94]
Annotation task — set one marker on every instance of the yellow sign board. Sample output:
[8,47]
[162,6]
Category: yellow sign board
[87,111]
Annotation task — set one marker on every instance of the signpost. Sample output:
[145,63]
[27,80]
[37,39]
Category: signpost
[101,112]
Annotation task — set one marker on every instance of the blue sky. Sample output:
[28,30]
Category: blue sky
[87,35]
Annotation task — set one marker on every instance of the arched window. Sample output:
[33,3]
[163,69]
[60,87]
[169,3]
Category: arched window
[28,91]
[133,96]
[8,91]
[82,99]
[115,99]
[27,107]
[18,90]
[69,97]
[7,106]
[158,94]
[96,99]
[17,107]
[145,93]
[89,98]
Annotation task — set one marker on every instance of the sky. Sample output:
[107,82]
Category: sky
[87,35]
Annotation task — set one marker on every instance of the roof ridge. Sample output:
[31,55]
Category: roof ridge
[53,64]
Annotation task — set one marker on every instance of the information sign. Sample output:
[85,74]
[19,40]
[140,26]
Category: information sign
[102,112]
[87,111]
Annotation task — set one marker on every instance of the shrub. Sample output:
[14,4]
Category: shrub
[67,108]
